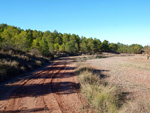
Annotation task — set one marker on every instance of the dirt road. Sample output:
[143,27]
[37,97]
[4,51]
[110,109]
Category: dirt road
[52,89]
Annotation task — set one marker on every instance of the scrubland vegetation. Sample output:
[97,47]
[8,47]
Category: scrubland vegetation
[126,78]
[101,96]
[14,63]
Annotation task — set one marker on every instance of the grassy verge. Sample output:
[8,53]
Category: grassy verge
[107,98]
[14,63]
[101,96]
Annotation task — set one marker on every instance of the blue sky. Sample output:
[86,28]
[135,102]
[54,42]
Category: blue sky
[125,21]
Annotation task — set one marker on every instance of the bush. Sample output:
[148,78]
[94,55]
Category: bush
[104,98]
[14,63]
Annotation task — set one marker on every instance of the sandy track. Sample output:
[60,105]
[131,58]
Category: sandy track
[49,90]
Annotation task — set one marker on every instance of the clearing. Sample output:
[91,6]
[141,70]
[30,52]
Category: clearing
[129,73]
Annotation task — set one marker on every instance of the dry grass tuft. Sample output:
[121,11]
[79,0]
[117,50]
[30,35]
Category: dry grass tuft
[104,98]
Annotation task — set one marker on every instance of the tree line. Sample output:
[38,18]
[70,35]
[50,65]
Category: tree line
[49,43]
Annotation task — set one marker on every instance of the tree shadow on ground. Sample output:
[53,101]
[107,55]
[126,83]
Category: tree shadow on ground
[29,89]
[35,90]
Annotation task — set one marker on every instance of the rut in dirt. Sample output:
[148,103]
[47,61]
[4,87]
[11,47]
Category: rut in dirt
[52,89]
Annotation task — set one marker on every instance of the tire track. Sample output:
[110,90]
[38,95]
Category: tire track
[65,105]
[48,90]
[52,88]
[23,83]
[52,77]
[48,73]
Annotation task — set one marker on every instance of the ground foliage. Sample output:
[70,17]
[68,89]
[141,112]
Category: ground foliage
[15,62]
